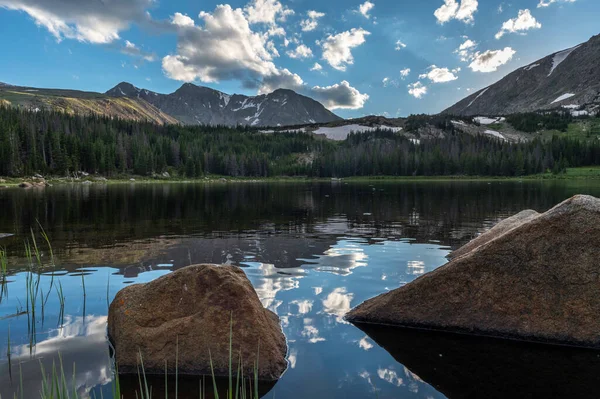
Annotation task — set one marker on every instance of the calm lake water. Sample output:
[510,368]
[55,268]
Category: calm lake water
[312,251]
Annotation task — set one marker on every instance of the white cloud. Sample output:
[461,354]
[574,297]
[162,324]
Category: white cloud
[404,73]
[440,75]
[337,48]
[400,45]
[224,49]
[311,22]
[546,3]
[98,22]
[417,90]
[267,12]
[386,81]
[491,60]
[181,20]
[316,67]
[302,51]
[523,22]
[365,8]
[451,9]
[134,51]
[466,49]
[339,96]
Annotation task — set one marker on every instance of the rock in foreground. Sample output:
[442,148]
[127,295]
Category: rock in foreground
[496,231]
[191,309]
[539,281]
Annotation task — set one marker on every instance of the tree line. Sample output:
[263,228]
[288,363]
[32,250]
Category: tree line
[55,143]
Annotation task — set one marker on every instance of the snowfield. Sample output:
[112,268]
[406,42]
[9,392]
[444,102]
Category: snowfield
[342,132]
[560,57]
[563,97]
[484,120]
[495,134]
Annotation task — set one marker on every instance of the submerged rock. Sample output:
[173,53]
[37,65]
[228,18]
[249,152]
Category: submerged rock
[191,309]
[496,231]
[539,281]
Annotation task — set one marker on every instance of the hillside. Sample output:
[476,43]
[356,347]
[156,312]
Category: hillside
[83,103]
[568,79]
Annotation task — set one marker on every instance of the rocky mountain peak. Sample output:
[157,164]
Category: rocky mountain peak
[567,78]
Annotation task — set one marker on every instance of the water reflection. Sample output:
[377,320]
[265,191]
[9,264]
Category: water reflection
[81,342]
[312,251]
[471,367]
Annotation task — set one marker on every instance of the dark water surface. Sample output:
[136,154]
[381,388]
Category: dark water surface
[312,251]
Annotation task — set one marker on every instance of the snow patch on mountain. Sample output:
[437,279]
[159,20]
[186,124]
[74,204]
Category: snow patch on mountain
[480,94]
[342,132]
[484,120]
[495,134]
[530,67]
[563,97]
[560,57]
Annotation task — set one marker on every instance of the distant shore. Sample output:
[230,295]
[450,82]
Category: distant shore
[583,173]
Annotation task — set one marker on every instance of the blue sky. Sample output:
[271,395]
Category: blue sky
[391,57]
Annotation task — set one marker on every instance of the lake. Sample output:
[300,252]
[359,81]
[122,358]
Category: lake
[312,251]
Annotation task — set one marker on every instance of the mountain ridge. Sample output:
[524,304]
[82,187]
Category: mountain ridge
[189,105]
[569,78]
[192,104]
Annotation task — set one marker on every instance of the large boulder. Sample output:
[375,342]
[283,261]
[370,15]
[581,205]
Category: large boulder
[496,231]
[539,281]
[190,310]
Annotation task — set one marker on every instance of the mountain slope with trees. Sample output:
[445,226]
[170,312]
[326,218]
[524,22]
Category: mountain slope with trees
[57,143]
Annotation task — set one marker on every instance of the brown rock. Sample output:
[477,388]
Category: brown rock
[539,281]
[496,231]
[192,309]
[25,185]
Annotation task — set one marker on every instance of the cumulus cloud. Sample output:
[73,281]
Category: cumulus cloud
[546,3]
[98,22]
[339,96]
[417,89]
[523,22]
[491,60]
[404,73]
[302,51]
[365,8]
[267,12]
[337,49]
[466,50]
[225,47]
[312,21]
[440,75]
[132,50]
[400,45]
[452,9]
[316,67]
[181,20]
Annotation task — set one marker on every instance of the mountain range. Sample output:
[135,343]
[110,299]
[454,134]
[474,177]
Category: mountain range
[190,105]
[193,105]
[568,79]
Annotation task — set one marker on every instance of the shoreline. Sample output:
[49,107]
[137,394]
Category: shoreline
[582,173]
